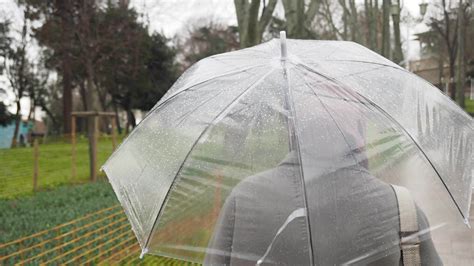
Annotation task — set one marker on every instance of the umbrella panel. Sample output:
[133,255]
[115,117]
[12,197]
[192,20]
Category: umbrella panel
[225,168]
[160,144]
[350,153]
[439,127]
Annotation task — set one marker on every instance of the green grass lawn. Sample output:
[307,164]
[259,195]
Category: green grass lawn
[16,173]
[470,106]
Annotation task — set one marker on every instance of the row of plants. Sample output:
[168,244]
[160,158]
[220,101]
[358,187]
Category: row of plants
[46,209]
[82,223]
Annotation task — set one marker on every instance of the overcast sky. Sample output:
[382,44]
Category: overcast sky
[172,16]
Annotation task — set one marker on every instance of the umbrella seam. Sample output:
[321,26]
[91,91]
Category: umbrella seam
[333,119]
[368,62]
[303,186]
[395,68]
[326,108]
[202,82]
[159,105]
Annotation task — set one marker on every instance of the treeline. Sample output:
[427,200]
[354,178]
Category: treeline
[97,53]
[104,52]
[375,24]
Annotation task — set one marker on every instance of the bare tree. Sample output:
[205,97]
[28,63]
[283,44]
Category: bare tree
[355,33]
[64,12]
[345,19]
[386,28]
[18,71]
[447,27]
[299,18]
[397,53]
[461,69]
[371,19]
[251,25]
[326,14]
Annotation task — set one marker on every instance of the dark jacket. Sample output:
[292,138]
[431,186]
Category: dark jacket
[352,216]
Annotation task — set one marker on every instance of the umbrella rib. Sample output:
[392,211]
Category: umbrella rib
[303,186]
[391,118]
[333,119]
[368,62]
[166,101]
[386,65]
[200,83]
[213,122]
[420,149]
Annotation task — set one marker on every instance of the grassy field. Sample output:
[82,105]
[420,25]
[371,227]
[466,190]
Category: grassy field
[16,174]
[470,106]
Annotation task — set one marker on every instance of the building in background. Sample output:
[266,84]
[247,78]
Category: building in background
[433,63]
[6,134]
[26,130]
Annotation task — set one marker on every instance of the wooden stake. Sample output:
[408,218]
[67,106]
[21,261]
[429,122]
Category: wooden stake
[73,147]
[36,164]
[95,138]
[114,134]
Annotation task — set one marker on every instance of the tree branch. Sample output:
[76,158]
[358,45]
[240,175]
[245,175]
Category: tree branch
[266,16]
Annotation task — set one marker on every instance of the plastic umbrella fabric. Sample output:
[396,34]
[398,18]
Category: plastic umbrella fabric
[286,152]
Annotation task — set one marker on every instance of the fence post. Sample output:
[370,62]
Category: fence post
[95,138]
[36,164]
[73,147]
[114,134]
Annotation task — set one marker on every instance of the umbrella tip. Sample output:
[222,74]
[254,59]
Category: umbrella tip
[144,251]
[466,221]
[283,45]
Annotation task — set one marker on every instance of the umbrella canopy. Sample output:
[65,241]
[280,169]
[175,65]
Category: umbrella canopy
[286,151]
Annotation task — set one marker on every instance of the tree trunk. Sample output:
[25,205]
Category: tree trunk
[32,108]
[17,124]
[66,74]
[345,15]
[461,75]
[398,53]
[251,28]
[83,93]
[252,24]
[310,14]
[452,84]
[131,121]
[368,20]
[117,118]
[91,123]
[376,26]
[440,72]
[241,10]
[247,19]
[355,33]
[386,29]
[294,14]
[50,115]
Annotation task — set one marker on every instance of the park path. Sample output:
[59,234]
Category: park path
[459,248]
[453,240]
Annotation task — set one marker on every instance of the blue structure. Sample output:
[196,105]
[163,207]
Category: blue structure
[6,133]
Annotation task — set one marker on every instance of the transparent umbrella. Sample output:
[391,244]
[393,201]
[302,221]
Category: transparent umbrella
[297,152]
